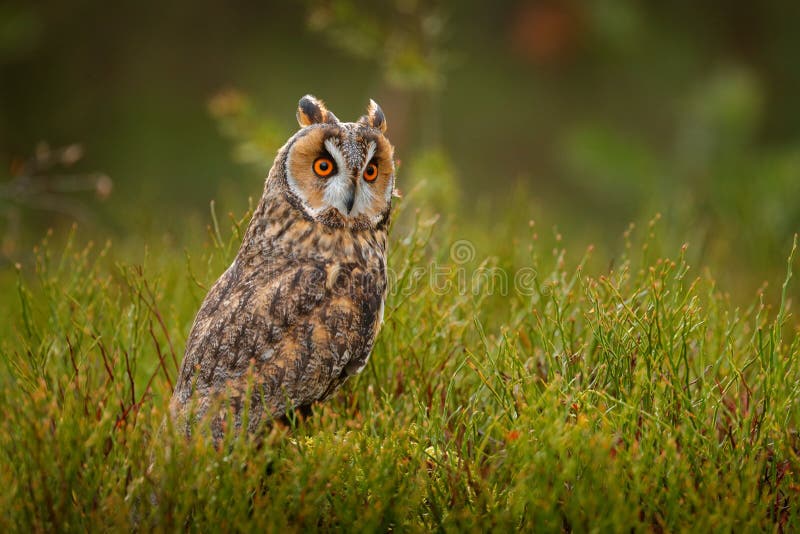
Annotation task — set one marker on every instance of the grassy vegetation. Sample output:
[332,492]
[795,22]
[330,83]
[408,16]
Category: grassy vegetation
[587,397]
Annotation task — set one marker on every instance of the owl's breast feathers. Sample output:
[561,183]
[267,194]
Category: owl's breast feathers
[292,318]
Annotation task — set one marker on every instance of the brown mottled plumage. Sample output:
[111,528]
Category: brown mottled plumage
[298,311]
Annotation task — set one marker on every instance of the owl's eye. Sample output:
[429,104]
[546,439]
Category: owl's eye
[371,172]
[323,167]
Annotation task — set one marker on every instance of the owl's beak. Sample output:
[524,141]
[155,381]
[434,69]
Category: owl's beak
[341,193]
[350,199]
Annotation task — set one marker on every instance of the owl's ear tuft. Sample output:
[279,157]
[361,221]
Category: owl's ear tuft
[311,110]
[374,116]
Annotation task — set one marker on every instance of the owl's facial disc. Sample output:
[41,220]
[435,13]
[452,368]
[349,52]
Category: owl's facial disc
[342,174]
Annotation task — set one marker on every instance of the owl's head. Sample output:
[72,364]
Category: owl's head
[340,173]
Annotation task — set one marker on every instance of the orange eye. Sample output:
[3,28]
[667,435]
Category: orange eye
[323,167]
[371,172]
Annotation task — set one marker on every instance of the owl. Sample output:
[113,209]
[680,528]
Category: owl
[297,312]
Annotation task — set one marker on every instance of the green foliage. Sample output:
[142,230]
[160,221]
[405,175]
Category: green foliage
[582,398]
[402,37]
[717,188]
[20,31]
[257,138]
[433,181]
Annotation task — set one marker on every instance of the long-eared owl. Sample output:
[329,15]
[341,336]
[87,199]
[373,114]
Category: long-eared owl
[299,309]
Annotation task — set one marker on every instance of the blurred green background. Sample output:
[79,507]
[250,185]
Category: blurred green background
[582,115]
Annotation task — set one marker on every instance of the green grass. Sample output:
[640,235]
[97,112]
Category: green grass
[587,397]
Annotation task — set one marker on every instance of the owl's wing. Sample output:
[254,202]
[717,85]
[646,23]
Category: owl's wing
[244,314]
[300,332]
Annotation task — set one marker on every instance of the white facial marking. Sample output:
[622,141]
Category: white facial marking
[370,152]
[338,187]
[364,198]
[334,151]
[365,191]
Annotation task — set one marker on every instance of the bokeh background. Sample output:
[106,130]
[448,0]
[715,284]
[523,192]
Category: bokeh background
[583,115]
